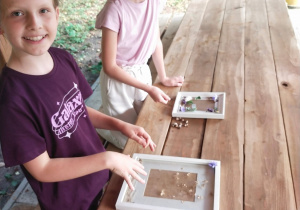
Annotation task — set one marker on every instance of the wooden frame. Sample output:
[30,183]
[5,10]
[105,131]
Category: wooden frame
[217,111]
[207,183]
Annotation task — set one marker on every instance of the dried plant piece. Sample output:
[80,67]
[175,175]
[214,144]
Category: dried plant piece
[212,164]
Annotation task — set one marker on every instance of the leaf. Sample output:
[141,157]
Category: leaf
[8,176]
[3,192]
[14,183]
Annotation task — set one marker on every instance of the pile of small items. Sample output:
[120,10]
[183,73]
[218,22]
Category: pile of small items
[183,123]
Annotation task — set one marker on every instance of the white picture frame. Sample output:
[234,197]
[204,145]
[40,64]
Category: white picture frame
[208,170]
[219,105]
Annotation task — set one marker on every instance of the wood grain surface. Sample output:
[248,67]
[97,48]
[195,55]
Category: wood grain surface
[247,49]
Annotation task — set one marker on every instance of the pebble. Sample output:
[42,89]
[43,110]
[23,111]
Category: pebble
[2,164]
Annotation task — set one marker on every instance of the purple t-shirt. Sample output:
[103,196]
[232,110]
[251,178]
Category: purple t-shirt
[47,113]
[136,25]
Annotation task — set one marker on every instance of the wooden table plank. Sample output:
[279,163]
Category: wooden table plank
[224,139]
[198,77]
[171,31]
[239,47]
[287,64]
[268,181]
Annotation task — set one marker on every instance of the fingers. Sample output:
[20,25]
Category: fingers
[164,98]
[174,81]
[130,168]
[144,139]
[128,181]
[137,169]
[134,175]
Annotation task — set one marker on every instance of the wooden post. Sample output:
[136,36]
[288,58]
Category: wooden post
[5,51]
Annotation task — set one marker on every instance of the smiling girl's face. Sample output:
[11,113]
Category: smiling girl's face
[29,25]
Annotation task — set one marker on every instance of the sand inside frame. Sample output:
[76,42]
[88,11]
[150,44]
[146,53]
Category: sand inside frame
[171,185]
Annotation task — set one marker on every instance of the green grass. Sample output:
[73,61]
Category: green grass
[76,20]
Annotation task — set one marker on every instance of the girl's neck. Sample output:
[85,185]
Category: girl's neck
[31,65]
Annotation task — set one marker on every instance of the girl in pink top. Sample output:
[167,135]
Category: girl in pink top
[130,36]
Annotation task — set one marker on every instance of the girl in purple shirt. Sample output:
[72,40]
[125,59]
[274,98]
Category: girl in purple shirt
[45,126]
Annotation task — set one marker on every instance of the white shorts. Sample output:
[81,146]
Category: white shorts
[122,101]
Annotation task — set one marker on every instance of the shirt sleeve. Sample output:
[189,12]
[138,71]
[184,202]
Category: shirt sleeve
[20,139]
[109,17]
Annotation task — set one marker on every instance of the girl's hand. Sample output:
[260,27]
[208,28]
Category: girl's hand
[125,167]
[158,95]
[139,135]
[173,81]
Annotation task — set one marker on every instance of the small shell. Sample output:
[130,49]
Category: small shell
[175,124]
[199,197]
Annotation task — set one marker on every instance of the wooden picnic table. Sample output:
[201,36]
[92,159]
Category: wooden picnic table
[248,49]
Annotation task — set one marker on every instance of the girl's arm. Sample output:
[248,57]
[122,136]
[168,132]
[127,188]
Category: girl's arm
[158,60]
[46,169]
[110,67]
[102,121]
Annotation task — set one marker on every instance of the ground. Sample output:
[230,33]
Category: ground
[10,178]
[88,61]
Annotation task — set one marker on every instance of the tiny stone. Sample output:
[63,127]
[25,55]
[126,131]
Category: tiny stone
[187,122]
[186,125]
[182,120]
[177,118]
[2,164]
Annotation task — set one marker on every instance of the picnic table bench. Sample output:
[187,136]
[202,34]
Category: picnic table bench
[247,49]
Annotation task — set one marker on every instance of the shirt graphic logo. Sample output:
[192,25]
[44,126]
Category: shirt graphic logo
[65,120]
